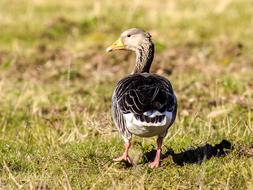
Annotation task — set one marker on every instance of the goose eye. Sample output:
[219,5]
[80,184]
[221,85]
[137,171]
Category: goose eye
[128,35]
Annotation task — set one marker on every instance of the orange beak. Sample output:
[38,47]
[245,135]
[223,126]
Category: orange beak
[117,45]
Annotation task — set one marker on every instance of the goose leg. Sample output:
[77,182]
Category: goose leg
[156,161]
[125,156]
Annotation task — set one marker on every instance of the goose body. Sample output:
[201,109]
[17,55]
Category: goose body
[143,104]
[146,104]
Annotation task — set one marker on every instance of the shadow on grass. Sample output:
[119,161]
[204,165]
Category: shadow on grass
[192,155]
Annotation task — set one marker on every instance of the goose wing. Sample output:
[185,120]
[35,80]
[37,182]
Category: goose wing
[148,98]
[140,93]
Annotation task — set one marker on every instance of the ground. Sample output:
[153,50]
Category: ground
[56,84]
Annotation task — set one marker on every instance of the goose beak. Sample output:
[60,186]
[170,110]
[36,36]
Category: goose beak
[117,45]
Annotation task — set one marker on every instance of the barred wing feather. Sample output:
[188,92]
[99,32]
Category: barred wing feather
[143,102]
[140,93]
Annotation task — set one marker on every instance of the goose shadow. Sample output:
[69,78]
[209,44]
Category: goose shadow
[192,155]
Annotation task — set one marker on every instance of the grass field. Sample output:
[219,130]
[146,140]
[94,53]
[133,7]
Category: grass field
[56,82]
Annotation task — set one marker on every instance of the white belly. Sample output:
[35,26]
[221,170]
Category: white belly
[145,129]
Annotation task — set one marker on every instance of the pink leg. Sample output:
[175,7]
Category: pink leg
[156,161]
[125,156]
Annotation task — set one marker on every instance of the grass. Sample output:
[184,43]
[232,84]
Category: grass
[56,84]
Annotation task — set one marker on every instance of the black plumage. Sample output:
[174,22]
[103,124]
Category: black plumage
[142,92]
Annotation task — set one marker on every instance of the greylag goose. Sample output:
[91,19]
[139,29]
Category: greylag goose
[143,104]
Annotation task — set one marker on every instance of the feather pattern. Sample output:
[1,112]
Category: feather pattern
[147,97]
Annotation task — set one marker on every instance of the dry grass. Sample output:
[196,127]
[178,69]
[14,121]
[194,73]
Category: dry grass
[56,83]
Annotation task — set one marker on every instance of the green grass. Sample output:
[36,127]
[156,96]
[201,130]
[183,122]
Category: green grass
[56,82]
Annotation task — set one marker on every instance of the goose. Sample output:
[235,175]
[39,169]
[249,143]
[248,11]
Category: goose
[143,103]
